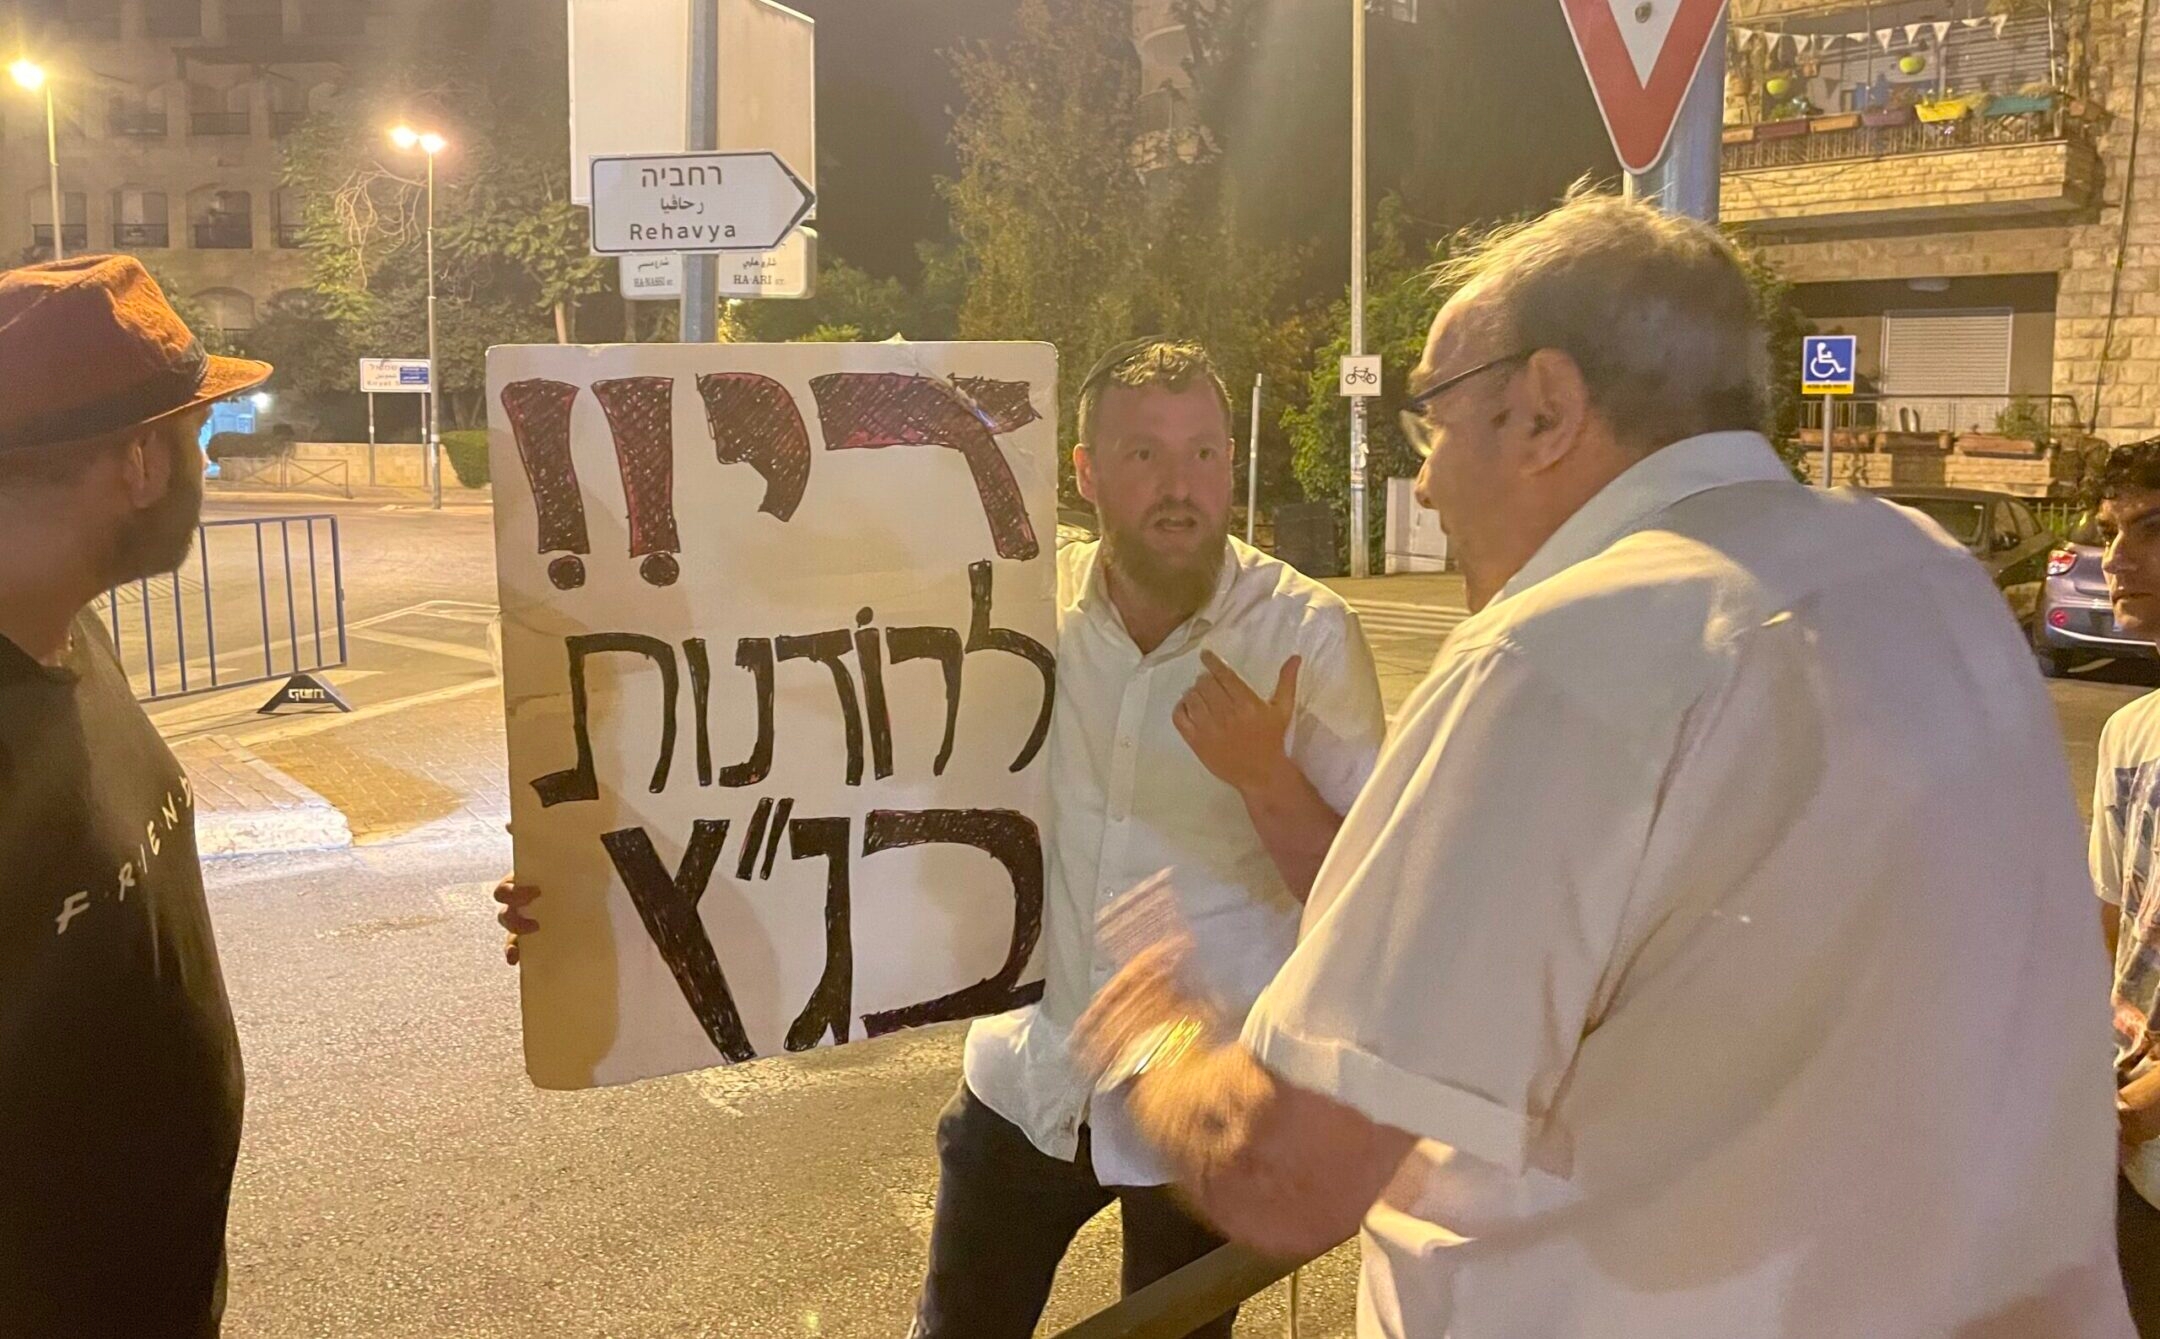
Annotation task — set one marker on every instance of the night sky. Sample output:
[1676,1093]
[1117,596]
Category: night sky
[1478,111]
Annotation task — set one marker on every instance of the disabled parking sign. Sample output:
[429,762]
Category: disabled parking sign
[1827,364]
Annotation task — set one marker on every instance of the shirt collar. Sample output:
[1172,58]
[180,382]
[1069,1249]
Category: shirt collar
[1658,481]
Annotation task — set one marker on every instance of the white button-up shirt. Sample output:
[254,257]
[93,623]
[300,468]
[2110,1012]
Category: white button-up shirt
[1716,918]
[1129,798]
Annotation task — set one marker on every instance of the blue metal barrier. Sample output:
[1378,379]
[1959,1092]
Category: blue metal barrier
[206,604]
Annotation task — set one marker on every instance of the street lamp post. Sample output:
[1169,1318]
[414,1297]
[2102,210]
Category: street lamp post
[430,144]
[31,76]
[1360,558]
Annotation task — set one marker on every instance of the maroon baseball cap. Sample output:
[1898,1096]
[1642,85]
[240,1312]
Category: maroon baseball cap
[89,346]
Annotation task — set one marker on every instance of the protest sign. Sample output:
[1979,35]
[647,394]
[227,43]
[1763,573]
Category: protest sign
[779,631]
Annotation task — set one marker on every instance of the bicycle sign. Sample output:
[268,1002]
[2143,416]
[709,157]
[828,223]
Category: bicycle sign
[1361,376]
[1827,364]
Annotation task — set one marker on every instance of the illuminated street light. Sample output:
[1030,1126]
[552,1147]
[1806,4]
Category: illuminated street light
[429,143]
[30,76]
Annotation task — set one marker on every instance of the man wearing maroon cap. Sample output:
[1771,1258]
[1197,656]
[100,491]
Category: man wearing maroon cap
[120,1084]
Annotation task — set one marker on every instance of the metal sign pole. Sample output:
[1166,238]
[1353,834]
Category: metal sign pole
[1360,559]
[701,274]
[1829,416]
[1252,463]
[371,439]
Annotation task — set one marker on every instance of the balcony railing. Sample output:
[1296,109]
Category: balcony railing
[141,236]
[218,123]
[76,235]
[224,235]
[1853,135]
[1916,420]
[138,124]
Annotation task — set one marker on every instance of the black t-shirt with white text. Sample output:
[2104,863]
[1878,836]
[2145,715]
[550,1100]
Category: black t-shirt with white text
[120,1083]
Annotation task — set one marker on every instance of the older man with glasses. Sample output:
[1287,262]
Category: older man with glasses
[1710,954]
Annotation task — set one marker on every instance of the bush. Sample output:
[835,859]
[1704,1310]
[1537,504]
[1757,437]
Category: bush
[468,452]
[244,445]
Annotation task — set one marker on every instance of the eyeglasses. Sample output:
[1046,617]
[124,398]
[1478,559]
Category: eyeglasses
[1416,428]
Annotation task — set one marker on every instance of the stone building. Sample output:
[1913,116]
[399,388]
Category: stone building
[1948,180]
[173,117]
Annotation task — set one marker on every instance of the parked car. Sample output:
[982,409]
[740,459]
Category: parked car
[2074,621]
[2002,533]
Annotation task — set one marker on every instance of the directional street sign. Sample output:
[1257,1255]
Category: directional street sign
[1641,56]
[392,376]
[1827,364]
[654,278]
[784,272]
[696,203]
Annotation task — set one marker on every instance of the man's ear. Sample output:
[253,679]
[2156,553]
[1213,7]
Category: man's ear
[1554,399]
[146,467]
[1084,471]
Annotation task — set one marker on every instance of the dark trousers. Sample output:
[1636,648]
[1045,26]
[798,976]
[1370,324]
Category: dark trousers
[2137,1245]
[1006,1212]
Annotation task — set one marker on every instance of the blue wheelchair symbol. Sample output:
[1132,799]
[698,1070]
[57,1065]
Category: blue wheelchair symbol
[1828,360]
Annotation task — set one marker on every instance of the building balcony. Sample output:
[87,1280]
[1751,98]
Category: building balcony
[75,235]
[224,235]
[2022,157]
[141,236]
[138,124]
[209,124]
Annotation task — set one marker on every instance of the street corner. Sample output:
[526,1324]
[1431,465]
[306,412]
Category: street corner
[245,806]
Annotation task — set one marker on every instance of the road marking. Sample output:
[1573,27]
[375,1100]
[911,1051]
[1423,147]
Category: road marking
[297,727]
[457,611]
[1397,620]
[430,645]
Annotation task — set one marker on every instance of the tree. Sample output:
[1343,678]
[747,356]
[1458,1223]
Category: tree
[511,252]
[1048,203]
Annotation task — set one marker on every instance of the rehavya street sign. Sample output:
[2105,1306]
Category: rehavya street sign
[695,203]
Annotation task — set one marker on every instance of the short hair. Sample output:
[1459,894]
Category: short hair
[1656,310]
[1171,365]
[2131,467]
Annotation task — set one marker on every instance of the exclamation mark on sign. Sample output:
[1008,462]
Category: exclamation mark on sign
[539,414]
[641,414]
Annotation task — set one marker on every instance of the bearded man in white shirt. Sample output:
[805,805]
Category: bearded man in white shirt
[1710,955]
[1160,755]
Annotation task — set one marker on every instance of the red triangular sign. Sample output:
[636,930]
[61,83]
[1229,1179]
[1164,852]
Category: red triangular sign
[1641,56]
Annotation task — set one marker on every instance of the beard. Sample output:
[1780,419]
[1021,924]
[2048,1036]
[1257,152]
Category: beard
[159,539]
[1183,583]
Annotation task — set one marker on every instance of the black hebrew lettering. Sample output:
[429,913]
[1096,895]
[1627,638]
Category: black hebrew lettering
[668,906]
[983,637]
[578,782]
[833,1002]
[701,703]
[873,682]
[1012,839]
[944,646]
[773,834]
[755,654]
[752,840]
[868,410]
[755,422]
[830,649]
[649,176]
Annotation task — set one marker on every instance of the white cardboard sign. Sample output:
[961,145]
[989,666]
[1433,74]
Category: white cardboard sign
[779,632]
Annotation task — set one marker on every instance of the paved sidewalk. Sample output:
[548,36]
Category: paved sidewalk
[245,806]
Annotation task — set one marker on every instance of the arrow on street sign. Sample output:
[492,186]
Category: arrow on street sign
[1641,56]
[695,203]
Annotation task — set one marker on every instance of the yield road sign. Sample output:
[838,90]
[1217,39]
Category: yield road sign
[696,203]
[390,376]
[1641,56]
[1828,363]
